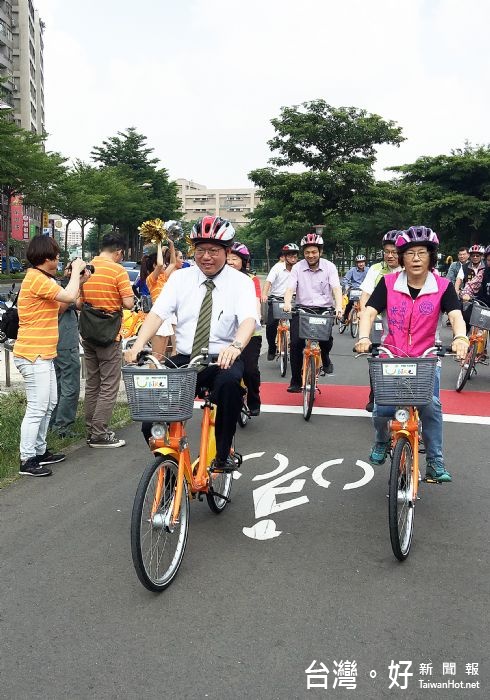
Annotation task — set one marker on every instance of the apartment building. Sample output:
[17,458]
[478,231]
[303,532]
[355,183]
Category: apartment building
[232,204]
[21,63]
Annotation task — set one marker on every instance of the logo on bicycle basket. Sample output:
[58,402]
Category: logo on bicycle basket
[150,381]
[399,370]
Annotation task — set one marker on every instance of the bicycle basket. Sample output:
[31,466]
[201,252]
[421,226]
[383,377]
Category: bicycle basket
[278,312]
[315,327]
[401,381]
[355,294]
[480,317]
[160,394]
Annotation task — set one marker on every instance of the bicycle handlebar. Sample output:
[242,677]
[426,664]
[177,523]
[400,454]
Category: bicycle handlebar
[376,348]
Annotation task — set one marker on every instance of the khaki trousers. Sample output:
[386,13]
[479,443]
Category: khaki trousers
[103,374]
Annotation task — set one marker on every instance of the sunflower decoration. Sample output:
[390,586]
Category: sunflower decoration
[153,231]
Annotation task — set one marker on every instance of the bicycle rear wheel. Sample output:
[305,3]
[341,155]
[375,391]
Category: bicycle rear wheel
[244,416]
[309,388]
[283,353]
[400,502]
[342,326]
[467,368]
[354,323]
[157,546]
[221,486]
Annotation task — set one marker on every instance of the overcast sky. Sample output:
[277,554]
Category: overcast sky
[202,78]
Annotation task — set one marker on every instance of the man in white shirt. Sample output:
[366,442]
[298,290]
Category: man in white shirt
[275,286]
[233,320]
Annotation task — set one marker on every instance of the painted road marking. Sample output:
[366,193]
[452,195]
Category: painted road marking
[265,495]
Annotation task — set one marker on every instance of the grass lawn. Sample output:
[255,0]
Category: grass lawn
[12,409]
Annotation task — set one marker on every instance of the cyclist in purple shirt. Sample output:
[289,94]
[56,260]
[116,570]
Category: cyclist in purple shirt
[315,281]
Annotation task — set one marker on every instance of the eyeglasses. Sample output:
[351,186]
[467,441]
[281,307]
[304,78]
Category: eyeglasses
[213,252]
[419,253]
[473,254]
[389,253]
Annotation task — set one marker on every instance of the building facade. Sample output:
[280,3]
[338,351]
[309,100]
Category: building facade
[21,63]
[232,204]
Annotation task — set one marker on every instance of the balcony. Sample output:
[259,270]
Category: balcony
[5,34]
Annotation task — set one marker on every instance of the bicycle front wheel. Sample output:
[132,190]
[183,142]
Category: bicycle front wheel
[401,504]
[342,326]
[244,416]
[157,544]
[309,388]
[467,368]
[354,323]
[283,353]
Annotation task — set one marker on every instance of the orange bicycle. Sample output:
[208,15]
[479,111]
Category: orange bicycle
[161,508]
[282,337]
[313,328]
[406,383]
[352,319]
[480,325]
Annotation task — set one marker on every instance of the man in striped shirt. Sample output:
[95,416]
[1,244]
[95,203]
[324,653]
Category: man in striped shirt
[109,289]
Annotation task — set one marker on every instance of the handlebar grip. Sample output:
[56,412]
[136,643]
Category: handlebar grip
[141,357]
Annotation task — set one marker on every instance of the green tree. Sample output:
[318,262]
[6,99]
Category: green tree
[27,170]
[128,154]
[453,194]
[337,146]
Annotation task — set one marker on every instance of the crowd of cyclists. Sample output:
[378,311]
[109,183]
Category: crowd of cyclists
[216,303]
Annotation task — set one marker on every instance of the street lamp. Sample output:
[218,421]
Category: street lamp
[319,229]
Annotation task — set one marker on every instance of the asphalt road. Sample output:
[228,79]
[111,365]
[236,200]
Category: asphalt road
[253,604]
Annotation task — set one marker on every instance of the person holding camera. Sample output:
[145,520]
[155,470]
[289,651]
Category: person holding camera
[35,348]
[108,289]
[67,366]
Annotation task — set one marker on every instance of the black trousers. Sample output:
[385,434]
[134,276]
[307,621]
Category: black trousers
[226,393]
[297,346]
[271,330]
[251,372]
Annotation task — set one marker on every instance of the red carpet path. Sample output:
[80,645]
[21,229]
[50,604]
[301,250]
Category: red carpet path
[468,403]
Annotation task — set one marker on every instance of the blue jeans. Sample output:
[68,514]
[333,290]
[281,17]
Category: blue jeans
[41,394]
[430,415]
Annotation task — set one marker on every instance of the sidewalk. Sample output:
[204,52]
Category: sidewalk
[17,382]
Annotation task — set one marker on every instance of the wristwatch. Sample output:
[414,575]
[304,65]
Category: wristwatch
[236,344]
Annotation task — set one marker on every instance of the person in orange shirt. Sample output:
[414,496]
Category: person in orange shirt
[35,348]
[160,266]
[109,289]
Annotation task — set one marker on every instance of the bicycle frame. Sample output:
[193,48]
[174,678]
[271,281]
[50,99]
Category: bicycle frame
[282,333]
[175,444]
[410,430]
[312,348]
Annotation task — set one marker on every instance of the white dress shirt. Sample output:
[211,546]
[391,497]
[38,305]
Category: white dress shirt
[234,300]
[278,277]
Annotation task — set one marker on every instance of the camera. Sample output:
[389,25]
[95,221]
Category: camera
[90,268]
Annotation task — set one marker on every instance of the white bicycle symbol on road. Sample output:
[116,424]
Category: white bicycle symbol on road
[265,496]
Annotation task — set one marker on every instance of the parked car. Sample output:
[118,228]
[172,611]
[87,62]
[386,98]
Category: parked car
[15,265]
[130,264]
[133,275]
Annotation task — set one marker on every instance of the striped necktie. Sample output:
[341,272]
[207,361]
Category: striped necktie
[203,328]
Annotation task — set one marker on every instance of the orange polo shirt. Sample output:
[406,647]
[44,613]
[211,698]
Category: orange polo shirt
[38,317]
[107,286]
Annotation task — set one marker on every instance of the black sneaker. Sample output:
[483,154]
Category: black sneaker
[31,467]
[106,441]
[254,411]
[328,369]
[50,458]
[294,389]
[369,406]
[271,355]
[224,465]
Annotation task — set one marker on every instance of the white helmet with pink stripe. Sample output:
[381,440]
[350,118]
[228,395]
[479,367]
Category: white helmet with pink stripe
[213,228]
